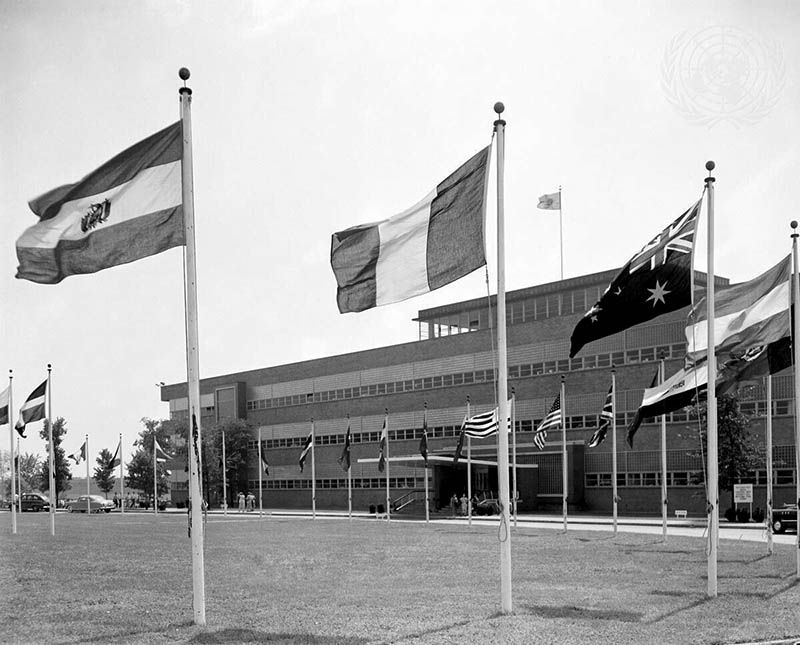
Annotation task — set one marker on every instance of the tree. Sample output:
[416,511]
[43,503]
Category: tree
[29,467]
[62,471]
[104,473]
[140,467]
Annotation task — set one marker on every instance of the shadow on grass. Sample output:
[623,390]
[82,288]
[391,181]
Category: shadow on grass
[237,635]
[762,595]
[436,630]
[765,556]
[582,613]
[677,610]
[108,638]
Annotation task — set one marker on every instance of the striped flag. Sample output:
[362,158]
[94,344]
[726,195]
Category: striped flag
[606,416]
[431,244]
[32,410]
[382,447]
[128,209]
[79,455]
[485,424]
[5,413]
[551,421]
[306,448]
[551,202]
[423,442]
[344,460]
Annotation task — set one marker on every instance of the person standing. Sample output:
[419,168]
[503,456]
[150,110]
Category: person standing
[251,502]
[464,504]
[241,500]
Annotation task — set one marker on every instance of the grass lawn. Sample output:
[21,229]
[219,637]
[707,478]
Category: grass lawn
[109,578]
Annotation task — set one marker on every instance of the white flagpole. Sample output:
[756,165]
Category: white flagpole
[88,504]
[469,471]
[388,499]
[713,464]
[260,474]
[425,466]
[502,371]
[349,472]
[560,233]
[313,474]
[662,375]
[514,452]
[121,479]
[564,475]
[192,359]
[225,473]
[155,476]
[768,516]
[19,476]
[13,465]
[796,291]
[52,457]
[614,492]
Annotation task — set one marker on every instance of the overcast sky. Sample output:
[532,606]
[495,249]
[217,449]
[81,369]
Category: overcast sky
[310,117]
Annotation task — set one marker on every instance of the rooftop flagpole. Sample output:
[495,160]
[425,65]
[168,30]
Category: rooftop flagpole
[711,415]
[560,233]
[13,465]
[502,373]
[796,292]
[192,358]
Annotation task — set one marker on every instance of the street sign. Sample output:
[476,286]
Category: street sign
[743,493]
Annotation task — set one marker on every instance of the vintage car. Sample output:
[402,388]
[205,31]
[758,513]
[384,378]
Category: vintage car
[33,502]
[784,518]
[487,506]
[90,504]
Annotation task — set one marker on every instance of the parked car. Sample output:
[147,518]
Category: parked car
[487,507]
[33,502]
[90,503]
[784,518]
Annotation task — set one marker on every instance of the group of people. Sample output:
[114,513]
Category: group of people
[460,505]
[132,501]
[246,502]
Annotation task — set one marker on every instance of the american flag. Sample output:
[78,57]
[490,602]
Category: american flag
[678,237]
[606,417]
[552,420]
[485,424]
[306,447]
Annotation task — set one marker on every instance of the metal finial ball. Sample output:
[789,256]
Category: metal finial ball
[184,73]
[794,223]
[499,107]
[710,165]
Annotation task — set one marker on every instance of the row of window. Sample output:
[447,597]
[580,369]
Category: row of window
[360,482]
[782,477]
[525,370]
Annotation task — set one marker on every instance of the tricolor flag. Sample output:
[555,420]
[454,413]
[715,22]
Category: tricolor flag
[606,416]
[306,448]
[161,455]
[551,421]
[265,465]
[423,442]
[433,243]
[655,281]
[129,208]
[5,413]
[116,459]
[551,202]
[32,410]
[344,460]
[382,447]
[746,315]
[78,456]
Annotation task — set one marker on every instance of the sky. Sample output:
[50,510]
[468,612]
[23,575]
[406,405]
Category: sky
[311,117]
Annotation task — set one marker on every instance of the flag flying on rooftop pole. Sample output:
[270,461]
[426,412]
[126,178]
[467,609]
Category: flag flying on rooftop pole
[605,420]
[655,281]
[550,202]
[33,409]
[433,243]
[746,315]
[127,209]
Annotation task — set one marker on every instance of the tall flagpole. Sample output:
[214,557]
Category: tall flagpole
[52,457]
[615,497]
[796,291]
[155,477]
[425,465]
[225,473]
[564,475]
[13,465]
[661,377]
[469,471]
[768,517]
[713,464]
[502,372]
[19,476]
[349,471]
[88,504]
[260,474]
[514,453]
[560,233]
[121,479]
[313,474]
[388,500]
[192,358]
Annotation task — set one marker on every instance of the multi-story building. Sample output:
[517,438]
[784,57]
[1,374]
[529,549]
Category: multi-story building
[454,361]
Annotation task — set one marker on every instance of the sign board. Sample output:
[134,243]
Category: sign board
[743,493]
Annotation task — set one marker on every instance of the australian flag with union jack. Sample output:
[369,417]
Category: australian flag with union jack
[655,281]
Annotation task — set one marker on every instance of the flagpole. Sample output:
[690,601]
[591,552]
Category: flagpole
[615,497]
[502,371]
[19,475]
[313,474]
[425,463]
[796,291]
[260,474]
[560,233]
[388,500]
[13,465]
[349,471]
[770,547]
[192,358]
[88,504]
[713,465]
[469,470]
[225,472]
[52,456]
[513,452]
[564,476]
[121,479]
[155,472]
[662,376]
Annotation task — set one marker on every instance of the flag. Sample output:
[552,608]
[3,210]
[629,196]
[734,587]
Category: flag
[265,465]
[460,445]
[678,391]
[745,315]
[32,410]
[5,413]
[606,416]
[128,209]
[551,202]
[344,460]
[485,424]
[78,456]
[306,447]
[423,442]
[551,421]
[161,455]
[433,243]
[116,459]
[755,363]
[382,449]
[655,281]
